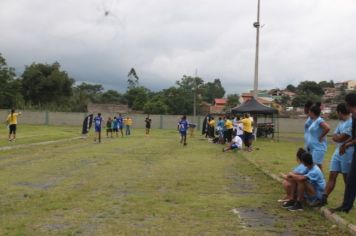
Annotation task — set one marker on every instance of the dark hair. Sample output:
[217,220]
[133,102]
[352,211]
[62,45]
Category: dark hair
[184,117]
[350,99]
[12,112]
[307,159]
[316,109]
[308,104]
[341,108]
[99,114]
[300,152]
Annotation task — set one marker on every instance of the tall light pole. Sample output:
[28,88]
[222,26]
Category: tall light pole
[257,26]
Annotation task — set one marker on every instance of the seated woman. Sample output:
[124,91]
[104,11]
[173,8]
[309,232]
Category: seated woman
[236,143]
[300,169]
[309,186]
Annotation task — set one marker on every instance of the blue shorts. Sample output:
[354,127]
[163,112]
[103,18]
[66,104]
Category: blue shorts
[234,146]
[341,164]
[183,133]
[318,156]
[97,129]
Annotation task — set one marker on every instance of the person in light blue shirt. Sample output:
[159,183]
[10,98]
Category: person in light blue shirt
[300,169]
[317,131]
[307,123]
[340,163]
[309,186]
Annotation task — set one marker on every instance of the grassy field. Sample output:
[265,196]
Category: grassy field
[284,161]
[142,185]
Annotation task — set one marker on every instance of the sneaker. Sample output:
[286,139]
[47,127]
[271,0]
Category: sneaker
[297,207]
[288,204]
[339,209]
[316,203]
[185,144]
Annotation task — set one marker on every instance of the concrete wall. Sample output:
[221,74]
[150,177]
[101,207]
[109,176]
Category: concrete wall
[158,121]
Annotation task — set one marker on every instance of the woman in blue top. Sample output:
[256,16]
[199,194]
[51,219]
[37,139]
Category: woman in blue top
[307,123]
[317,131]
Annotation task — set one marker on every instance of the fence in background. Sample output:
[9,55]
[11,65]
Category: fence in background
[158,121]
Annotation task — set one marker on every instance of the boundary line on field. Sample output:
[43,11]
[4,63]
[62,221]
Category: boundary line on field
[333,217]
[6,148]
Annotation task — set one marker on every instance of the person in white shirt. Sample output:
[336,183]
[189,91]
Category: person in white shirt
[236,143]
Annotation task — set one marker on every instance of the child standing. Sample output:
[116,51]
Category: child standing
[182,128]
[109,127]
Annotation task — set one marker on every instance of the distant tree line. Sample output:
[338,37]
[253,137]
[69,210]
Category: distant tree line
[48,87]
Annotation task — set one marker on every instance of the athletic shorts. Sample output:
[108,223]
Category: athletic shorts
[12,129]
[234,146]
[108,130]
[121,127]
[318,196]
[115,129]
[97,129]
[183,133]
[318,156]
[341,164]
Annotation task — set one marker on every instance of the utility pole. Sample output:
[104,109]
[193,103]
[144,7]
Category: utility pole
[257,26]
[195,96]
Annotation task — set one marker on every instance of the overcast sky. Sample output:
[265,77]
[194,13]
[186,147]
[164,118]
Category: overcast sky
[99,41]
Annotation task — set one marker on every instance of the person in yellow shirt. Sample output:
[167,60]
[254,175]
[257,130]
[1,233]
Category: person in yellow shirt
[212,127]
[128,123]
[248,130]
[12,123]
[229,129]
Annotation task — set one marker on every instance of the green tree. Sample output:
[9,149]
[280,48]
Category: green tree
[291,88]
[85,93]
[137,97]
[310,87]
[212,90]
[156,105]
[326,84]
[10,89]
[112,96]
[233,100]
[45,84]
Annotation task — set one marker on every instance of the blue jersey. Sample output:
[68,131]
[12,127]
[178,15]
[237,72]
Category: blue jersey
[183,125]
[307,124]
[300,169]
[316,178]
[314,132]
[344,127]
[114,123]
[97,121]
[120,122]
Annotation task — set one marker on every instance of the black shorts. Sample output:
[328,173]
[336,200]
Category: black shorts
[115,130]
[12,129]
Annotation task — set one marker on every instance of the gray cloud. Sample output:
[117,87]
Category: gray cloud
[163,40]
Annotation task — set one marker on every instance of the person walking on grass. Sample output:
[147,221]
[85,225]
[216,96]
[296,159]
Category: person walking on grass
[183,126]
[128,124]
[350,188]
[247,131]
[309,186]
[11,121]
[340,163]
[317,131]
[120,124]
[115,130]
[109,127]
[148,122]
[98,120]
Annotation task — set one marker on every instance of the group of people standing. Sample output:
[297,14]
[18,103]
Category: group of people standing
[233,130]
[117,125]
[307,180]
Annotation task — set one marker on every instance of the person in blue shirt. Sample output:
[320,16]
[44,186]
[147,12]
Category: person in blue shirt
[301,169]
[340,163]
[307,123]
[317,131]
[309,186]
[120,124]
[98,120]
[183,126]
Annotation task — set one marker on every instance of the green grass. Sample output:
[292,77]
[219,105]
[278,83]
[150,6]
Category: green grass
[280,157]
[139,185]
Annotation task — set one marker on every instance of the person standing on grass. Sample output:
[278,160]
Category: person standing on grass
[114,126]
[229,129]
[120,124]
[247,129]
[317,131]
[350,188]
[309,186]
[128,125]
[307,123]
[212,128]
[148,122]
[98,120]
[301,169]
[11,121]
[109,127]
[340,163]
[183,126]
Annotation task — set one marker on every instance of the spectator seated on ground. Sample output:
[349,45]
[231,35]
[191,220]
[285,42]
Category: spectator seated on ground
[301,169]
[309,186]
[236,143]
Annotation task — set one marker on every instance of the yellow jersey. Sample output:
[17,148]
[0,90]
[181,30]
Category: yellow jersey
[212,123]
[12,119]
[128,121]
[228,124]
[247,122]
